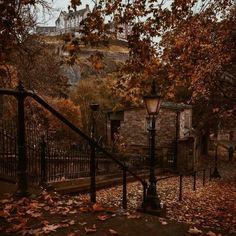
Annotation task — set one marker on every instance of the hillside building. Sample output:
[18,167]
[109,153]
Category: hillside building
[70,21]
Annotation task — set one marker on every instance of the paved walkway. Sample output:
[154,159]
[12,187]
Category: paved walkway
[124,223]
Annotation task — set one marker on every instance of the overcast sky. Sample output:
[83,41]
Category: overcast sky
[57,6]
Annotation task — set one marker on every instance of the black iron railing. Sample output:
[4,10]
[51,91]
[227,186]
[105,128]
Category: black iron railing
[24,151]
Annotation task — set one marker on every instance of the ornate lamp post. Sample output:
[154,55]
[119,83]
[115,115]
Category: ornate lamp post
[152,102]
[216,174]
[94,107]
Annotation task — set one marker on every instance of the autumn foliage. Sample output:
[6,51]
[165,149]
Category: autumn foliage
[188,47]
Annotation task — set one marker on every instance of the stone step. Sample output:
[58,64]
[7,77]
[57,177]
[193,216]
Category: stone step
[82,185]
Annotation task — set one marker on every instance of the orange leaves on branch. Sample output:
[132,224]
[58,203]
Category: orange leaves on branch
[97,61]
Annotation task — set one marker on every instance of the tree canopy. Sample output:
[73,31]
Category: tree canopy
[188,46]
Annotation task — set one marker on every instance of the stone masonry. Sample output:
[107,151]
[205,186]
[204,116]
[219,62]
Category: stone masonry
[173,121]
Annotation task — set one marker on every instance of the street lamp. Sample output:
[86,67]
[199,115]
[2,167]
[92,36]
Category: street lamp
[152,102]
[216,174]
[94,107]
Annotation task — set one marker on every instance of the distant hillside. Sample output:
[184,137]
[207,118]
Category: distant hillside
[113,57]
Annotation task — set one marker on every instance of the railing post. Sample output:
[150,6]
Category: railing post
[180,187]
[124,199]
[92,174]
[194,180]
[22,182]
[43,177]
[204,177]
[94,107]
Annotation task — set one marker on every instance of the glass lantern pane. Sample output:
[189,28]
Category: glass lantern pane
[153,105]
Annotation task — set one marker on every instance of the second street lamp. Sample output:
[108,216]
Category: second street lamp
[216,173]
[152,202]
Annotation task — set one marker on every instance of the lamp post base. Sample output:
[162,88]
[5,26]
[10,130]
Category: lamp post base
[152,204]
[22,185]
[215,174]
[152,209]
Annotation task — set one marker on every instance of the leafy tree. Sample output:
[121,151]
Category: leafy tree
[92,90]
[187,46]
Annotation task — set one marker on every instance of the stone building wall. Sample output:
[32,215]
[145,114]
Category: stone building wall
[175,146]
[134,129]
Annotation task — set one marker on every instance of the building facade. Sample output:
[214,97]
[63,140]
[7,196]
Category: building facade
[70,21]
[129,128]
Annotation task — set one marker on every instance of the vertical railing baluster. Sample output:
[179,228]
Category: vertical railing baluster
[124,181]
[22,184]
[43,177]
[92,174]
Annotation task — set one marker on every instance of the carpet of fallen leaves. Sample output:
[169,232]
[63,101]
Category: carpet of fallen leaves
[212,205]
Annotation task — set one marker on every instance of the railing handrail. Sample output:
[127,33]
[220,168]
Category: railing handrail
[43,103]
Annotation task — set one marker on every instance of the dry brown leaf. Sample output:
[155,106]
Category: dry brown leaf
[194,231]
[83,209]
[113,232]
[97,207]
[210,233]
[71,222]
[102,217]
[70,234]
[3,214]
[82,223]
[164,223]
[133,216]
[50,228]
[44,222]
[90,230]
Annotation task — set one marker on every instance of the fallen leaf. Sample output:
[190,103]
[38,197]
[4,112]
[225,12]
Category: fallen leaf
[194,231]
[70,234]
[90,230]
[133,216]
[210,233]
[164,223]
[44,222]
[83,209]
[102,217]
[82,223]
[71,222]
[3,214]
[50,228]
[97,207]
[113,232]
[73,212]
